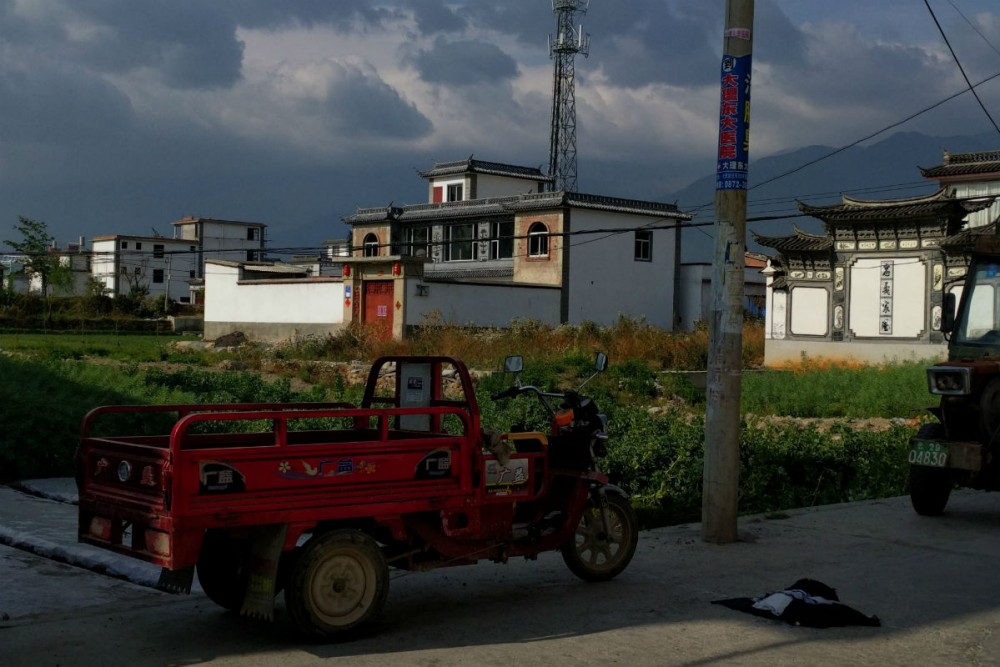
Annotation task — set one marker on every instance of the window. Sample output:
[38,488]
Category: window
[138,245]
[538,240]
[251,255]
[502,239]
[157,250]
[252,233]
[416,240]
[124,245]
[461,243]
[157,275]
[455,192]
[191,273]
[370,245]
[644,245]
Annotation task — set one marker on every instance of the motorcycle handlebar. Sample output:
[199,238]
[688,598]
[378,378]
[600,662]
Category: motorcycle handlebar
[507,393]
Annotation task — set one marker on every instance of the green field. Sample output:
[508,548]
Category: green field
[656,420]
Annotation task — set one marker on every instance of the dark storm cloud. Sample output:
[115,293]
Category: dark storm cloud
[656,42]
[433,16]
[342,15]
[360,104]
[50,105]
[464,63]
[190,45]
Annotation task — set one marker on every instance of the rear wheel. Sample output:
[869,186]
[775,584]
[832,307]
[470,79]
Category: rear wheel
[338,584]
[930,488]
[224,568]
[596,555]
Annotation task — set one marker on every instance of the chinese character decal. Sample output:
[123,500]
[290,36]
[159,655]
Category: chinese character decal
[885,298]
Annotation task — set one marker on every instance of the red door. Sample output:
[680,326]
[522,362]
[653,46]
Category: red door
[378,305]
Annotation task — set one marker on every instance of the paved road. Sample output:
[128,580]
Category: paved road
[934,583]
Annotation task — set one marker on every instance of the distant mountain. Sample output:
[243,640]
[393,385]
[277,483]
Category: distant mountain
[884,170]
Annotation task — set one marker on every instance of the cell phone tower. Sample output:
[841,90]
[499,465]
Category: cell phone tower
[568,41]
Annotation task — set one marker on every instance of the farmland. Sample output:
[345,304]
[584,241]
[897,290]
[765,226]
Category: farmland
[813,434]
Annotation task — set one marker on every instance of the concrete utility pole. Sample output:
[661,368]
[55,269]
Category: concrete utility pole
[725,353]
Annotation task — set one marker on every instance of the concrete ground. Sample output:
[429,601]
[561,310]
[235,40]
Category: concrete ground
[934,583]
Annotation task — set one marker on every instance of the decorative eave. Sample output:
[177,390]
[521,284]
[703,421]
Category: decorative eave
[937,205]
[458,210]
[476,273]
[965,240]
[561,199]
[189,220]
[798,242]
[471,166]
[985,163]
[373,215]
[506,206]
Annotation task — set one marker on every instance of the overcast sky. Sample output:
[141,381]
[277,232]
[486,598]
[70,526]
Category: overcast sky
[120,116]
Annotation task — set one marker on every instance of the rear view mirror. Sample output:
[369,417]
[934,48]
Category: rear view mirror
[600,362]
[948,313]
[513,364]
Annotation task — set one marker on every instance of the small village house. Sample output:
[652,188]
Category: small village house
[175,266]
[492,244]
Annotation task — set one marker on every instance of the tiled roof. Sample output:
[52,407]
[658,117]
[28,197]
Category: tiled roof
[800,241]
[964,164]
[472,208]
[937,204]
[471,166]
[966,239]
[190,219]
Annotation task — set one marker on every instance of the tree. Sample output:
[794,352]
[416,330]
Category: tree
[34,246]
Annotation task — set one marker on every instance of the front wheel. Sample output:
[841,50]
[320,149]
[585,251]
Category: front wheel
[596,555]
[930,488]
[338,584]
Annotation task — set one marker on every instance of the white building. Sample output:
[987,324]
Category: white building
[231,240]
[173,266]
[970,175]
[491,245]
[159,264]
[502,246]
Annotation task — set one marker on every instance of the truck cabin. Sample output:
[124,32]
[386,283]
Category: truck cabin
[976,326]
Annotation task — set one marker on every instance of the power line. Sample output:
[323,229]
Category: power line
[960,68]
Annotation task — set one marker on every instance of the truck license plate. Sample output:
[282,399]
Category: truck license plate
[925,453]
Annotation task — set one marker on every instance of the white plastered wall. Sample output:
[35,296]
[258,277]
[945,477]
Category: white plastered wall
[907,300]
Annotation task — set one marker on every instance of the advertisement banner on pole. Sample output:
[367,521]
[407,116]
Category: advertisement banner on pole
[734,124]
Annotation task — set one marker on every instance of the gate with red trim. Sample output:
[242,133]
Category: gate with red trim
[378,305]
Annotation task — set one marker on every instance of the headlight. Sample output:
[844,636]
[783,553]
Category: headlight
[949,380]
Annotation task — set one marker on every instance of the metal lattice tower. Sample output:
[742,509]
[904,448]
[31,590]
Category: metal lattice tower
[563,47]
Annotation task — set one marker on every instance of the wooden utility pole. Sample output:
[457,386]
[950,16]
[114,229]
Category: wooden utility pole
[725,353]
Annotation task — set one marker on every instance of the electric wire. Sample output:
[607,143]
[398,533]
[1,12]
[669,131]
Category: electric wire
[960,67]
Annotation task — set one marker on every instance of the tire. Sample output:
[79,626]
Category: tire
[930,488]
[224,568]
[594,556]
[338,584]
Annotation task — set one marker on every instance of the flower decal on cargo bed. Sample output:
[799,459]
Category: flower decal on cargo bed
[284,466]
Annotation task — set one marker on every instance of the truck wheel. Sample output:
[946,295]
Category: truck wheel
[224,568]
[338,584]
[930,487]
[593,555]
